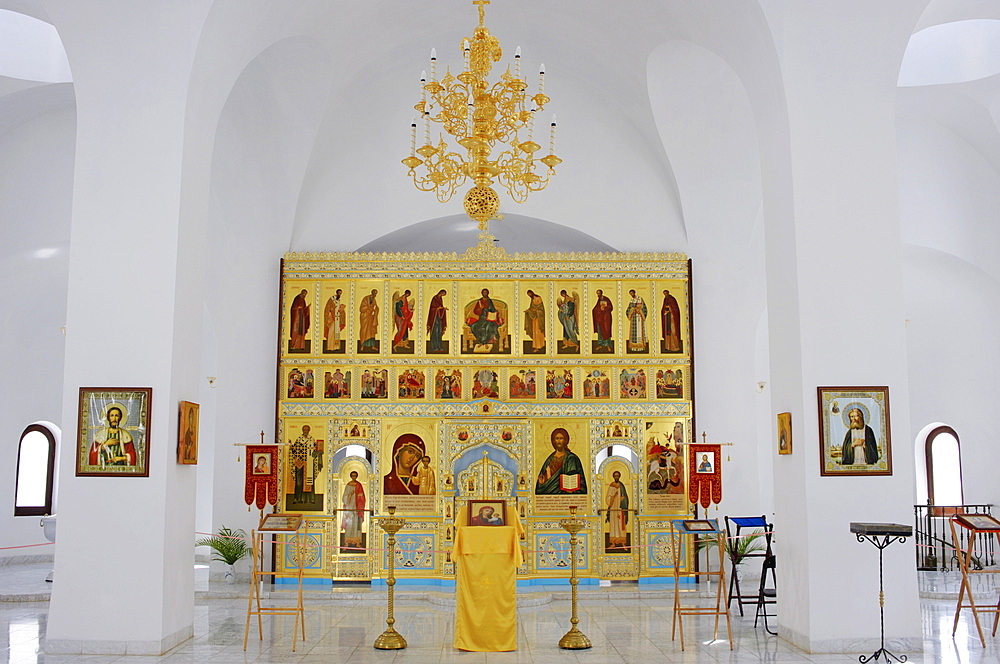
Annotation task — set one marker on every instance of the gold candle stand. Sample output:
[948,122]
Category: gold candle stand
[574,639]
[390,639]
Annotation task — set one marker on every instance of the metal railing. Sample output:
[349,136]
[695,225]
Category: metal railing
[935,550]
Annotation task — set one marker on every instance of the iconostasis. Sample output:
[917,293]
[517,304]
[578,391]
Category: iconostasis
[421,381]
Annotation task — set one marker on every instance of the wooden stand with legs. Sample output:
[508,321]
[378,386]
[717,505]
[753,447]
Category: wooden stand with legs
[686,532]
[254,607]
[978,525]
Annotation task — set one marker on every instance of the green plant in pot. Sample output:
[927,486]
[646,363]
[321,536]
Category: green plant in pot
[228,546]
[739,548]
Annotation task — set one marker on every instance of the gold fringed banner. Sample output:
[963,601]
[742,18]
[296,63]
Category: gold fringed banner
[705,471]
[262,475]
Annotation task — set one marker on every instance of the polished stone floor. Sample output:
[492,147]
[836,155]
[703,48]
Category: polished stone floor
[624,623]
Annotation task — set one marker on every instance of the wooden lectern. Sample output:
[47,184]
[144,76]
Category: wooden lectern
[275,523]
[685,532]
[980,526]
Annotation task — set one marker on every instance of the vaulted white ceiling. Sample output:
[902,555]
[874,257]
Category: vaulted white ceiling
[305,108]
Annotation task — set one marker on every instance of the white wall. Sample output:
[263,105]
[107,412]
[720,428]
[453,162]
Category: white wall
[262,144]
[36,179]
[706,123]
[949,182]
[951,309]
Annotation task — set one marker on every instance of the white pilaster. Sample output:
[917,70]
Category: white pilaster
[125,548]
[835,301]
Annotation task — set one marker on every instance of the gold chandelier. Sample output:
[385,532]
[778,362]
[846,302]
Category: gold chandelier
[479,115]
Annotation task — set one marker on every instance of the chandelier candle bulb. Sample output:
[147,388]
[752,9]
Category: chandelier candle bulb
[423,86]
[552,135]
[541,79]
[427,128]
[434,60]
[413,137]
[517,63]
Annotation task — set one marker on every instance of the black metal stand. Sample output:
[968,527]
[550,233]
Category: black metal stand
[881,535]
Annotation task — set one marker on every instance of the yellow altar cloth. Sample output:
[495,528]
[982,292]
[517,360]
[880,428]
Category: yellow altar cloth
[487,558]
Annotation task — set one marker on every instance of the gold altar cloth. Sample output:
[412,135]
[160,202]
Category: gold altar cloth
[487,558]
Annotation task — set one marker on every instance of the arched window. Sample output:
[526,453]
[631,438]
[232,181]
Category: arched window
[36,462]
[355,451]
[619,451]
[944,467]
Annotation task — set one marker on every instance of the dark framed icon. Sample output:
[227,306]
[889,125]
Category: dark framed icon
[277,522]
[487,513]
[698,525]
[854,431]
[978,522]
[113,433]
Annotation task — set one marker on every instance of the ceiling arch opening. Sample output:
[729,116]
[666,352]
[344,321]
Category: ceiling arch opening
[954,52]
[31,50]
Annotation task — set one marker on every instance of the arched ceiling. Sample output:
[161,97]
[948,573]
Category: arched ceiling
[948,140]
[354,171]
[617,181]
[597,59]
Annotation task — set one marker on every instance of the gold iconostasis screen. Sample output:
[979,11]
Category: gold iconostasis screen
[423,381]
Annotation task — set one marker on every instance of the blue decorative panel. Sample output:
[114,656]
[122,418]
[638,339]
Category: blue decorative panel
[553,551]
[660,550]
[313,543]
[412,551]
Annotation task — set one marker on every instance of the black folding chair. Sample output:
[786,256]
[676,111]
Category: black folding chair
[766,595]
[734,526]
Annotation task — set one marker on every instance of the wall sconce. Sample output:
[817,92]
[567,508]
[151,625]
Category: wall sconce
[211,381]
[761,385]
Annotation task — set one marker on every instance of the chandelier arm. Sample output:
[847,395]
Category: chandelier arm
[453,102]
[511,100]
[445,172]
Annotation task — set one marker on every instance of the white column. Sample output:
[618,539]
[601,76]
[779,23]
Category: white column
[125,547]
[835,301]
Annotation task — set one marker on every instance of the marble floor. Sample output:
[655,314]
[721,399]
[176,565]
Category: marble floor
[625,623]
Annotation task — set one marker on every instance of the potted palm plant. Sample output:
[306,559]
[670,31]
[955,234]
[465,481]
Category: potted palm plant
[737,549]
[228,546]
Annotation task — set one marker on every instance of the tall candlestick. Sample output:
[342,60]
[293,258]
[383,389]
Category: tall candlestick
[413,137]
[423,86]
[552,135]
[541,79]
[517,62]
[434,60]
[427,128]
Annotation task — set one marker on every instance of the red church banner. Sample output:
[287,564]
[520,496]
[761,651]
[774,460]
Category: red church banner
[705,471]
[262,475]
